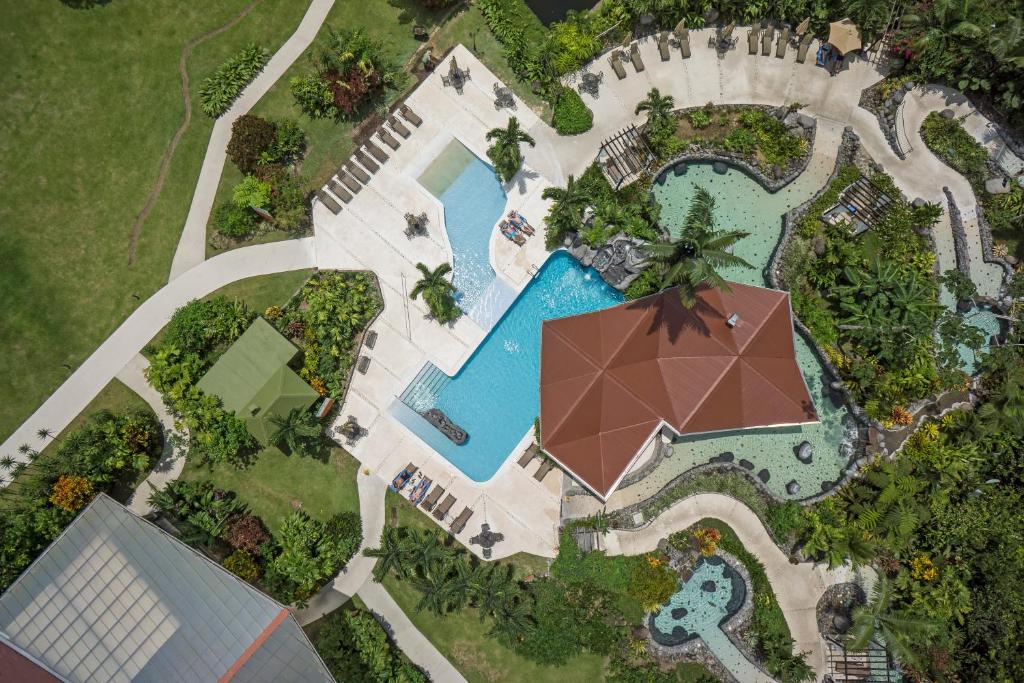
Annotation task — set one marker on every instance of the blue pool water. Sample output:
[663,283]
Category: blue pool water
[473,202]
[495,397]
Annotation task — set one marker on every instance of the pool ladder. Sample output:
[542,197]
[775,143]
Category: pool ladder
[533,271]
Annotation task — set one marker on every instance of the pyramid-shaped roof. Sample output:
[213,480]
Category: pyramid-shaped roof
[610,378]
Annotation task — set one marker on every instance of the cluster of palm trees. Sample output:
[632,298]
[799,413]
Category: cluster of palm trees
[447,580]
[504,150]
[438,293]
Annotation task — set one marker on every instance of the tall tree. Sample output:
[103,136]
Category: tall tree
[504,151]
[565,214]
[392,555]
[297,432]
[438,292]
[691,261]
[901,633]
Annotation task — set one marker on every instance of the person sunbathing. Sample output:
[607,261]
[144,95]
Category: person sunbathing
[520,222]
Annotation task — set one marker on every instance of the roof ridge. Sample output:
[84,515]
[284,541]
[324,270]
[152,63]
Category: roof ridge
[710,391]
[756,334]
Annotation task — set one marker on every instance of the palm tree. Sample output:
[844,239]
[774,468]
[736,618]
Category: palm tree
[44,433]
[295,432]
[658,107]
[566,212]
[898,631]
[7,463]
[512,623]
[505,151]
[392,555]
[438,292]
[691,261]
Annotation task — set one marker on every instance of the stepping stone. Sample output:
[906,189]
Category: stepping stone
[793,487]
[746,464]
[719,167]
[709,587]
[764,476]
[804,452]
[679,169]
[827,486]
[679,612]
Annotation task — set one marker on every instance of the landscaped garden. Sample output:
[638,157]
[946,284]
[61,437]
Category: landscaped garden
[94,100]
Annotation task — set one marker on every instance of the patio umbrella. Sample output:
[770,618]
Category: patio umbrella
[844,36]
[453,68]
[727,33]
[680,29]
[803,27]
[628,39]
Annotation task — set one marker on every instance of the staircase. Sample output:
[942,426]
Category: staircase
[423,391]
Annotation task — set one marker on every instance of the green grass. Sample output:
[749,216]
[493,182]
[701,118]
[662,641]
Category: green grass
[92,99]
[271,484]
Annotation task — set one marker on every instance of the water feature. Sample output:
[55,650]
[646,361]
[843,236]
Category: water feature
[495,395]
[741,203]
[699,608]
[473,202]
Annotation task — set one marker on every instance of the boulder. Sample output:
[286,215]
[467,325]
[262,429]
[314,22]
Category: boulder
[909,85]
[806,121]
[636,259]
[614,275]
[661,178]
[791,120]
[720,167]
[918,202]
[841,622]
[679,169]
[947,113]
[827,486]
[746,464]
[818,245]
[726,457]
[804,452]
[836,385]
[602,259]
[997,185]
[793,487]
[777,171]
[898,96]
[780,112]
[765,476]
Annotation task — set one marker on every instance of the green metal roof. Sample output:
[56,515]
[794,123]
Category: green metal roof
[253,380]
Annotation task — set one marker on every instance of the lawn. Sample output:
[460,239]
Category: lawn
[92,99]
[329,143]
[275,483]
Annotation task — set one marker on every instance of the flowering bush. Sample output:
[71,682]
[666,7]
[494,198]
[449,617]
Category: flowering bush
[71,492]
[707,539]
[922,568]
[901,416]
[241,564]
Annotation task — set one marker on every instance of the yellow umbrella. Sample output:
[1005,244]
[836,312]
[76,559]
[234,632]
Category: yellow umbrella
[844,36]
[803,27]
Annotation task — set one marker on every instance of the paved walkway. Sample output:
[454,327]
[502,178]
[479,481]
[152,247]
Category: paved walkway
[413,643]
[797,587]
[172,462]
[191,249]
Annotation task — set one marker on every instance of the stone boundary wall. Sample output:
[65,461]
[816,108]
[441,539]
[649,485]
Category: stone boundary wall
[987,252]
[956,222]
[887,112]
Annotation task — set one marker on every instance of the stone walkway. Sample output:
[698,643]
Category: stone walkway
[191,249]
[797,587]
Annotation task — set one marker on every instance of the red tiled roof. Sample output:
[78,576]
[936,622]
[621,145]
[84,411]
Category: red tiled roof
[609,378]
[18,668]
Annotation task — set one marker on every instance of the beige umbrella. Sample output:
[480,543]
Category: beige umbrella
[804,26]
[680,30]
[727,33]
[844,36]
[453,68]
[628,39]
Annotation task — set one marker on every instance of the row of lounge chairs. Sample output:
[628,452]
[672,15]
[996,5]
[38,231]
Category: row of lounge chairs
[356,172]
[616,59]
[785,37]
[527,457]
[426,495]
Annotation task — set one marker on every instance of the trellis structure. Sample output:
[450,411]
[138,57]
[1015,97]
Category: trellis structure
[866,202]
[871,665]
[625,157]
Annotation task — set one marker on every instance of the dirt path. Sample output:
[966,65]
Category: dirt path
[165,163]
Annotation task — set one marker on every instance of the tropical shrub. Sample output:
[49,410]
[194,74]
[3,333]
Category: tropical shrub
[325,319]
[571,46]
[572,116]
[219,91]
[251,192]
[288,144]
[652,582]
[954,145]
[71,492]
[251,136]
[311,552]
[698,118]
[355,647]
[241,564]
[350,72]
[235,221]
[246,533]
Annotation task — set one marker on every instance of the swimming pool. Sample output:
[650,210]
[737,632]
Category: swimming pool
[473,201]
[495,396]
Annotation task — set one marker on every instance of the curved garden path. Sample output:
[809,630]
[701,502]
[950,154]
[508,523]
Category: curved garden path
[797,586]
[165,162]
[191,249]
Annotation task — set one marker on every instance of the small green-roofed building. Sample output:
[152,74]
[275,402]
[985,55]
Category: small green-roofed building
[252,379]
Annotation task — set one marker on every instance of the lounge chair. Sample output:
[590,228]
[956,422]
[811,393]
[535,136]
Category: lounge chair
[410,115]
[766,41]
[634,56]
[617,67]
[388,138]
[376,152]
[402,478]
[371,339]
[684,44]
[421,490]
[752,41]
[528,455]
[398,126]
[349,182]
[805,45]
[339,191]
[441,510]
[363,364]
[327,201]
[431,500]
[544,468]
[459,523]
[368,163]
[355,170]
[663,45]
[780,47]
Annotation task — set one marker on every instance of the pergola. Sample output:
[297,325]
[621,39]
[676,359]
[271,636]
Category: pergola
[866,201]
[625,157]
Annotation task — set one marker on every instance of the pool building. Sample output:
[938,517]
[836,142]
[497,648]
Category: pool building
[613,380]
